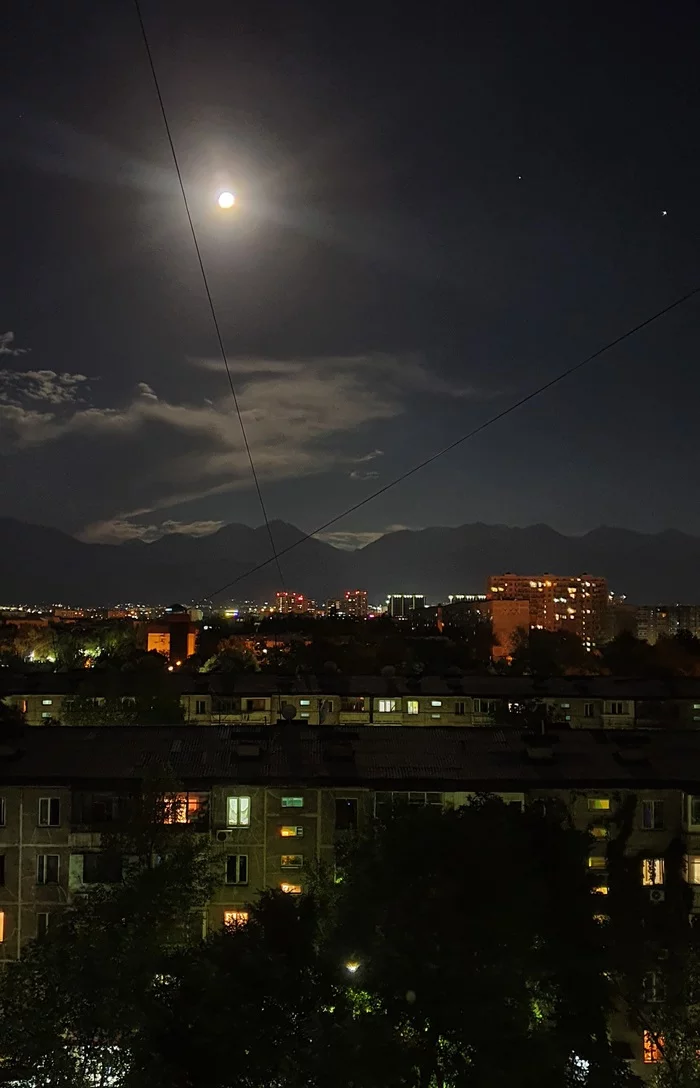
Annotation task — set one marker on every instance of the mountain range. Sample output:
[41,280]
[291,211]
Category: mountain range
[40,565]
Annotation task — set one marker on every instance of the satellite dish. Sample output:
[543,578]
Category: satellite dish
[289,712]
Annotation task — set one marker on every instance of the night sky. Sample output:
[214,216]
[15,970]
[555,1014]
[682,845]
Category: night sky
[436,212]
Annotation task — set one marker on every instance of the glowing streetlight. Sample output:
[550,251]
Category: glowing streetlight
[226,200]
[352,966]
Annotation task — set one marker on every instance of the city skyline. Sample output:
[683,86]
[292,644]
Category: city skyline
[408,254]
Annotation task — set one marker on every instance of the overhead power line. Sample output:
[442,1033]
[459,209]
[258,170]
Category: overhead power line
[465,437]
[275,554]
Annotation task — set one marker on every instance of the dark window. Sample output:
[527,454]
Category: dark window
[42,924]
[353,704]
[102,868]
[200,706]
[2,869]
[237,869]
[47,869]
[226,706]
[385,803]
[345,814]
[49,812]
[3,811]
[459,708]
[652,815]
[588,710]
[254,705]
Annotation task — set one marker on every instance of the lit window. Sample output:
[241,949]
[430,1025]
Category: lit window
[292,802]
[652,815]
[435,716]
[694,869]
[235,918]
[292,861]
[292,832]
[436,702]
[2,926]
[411,706]
[237,869]
[238,811]
[47,702]
[47,868]
[184,808]
[601,889]
[653,1046]
[565,706]
[46,713]
[291,889]
[652,872]
[598,804]
[49,812]
[599,832]
[304,702]
[386,706]
[596,862]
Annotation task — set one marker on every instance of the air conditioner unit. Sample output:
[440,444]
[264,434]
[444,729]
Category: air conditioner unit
[657,895]
[224,836]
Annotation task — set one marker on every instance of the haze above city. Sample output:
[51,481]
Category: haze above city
[433,217]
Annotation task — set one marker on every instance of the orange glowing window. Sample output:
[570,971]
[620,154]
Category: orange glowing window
[235,917]
[289,832]
[291,889]
[2,926]
[184,808]
[653,1048]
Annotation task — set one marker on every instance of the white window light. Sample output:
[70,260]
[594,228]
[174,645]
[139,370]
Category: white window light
[238,811]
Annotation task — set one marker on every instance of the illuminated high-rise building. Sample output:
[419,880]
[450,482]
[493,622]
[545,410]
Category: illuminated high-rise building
[401,605]
[291,602]
[557,602]
[354,603]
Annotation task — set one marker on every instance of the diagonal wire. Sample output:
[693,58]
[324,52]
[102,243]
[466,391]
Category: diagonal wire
[275,554]
[470,434]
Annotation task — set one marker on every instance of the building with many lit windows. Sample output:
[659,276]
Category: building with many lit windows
[287,602]
[575,603]
[354,603]
[276,802]
[401,606]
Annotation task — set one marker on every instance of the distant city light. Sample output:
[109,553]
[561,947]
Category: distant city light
[226,200]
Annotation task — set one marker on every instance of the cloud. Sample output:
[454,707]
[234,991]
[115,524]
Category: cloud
[118,531]
[355,475]
[17,386]
[372,456]
[7,340]
[111,465]
[145,390]
[349,542]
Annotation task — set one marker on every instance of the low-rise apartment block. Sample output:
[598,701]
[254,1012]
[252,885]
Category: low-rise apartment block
[581,702]
[276,801]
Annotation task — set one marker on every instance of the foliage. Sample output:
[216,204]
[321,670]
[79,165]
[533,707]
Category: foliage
[73,1009]
[551,653]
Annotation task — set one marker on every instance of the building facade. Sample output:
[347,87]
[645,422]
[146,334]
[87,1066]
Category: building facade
[355,603]
[574,603]
[666,620]
[278,802]
[401,606]
[577,702]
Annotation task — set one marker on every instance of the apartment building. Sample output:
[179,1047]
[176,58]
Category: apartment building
[575,603]
[580,702]
[666,620]
[277,800]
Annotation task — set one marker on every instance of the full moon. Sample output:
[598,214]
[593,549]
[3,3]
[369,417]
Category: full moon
[226,200]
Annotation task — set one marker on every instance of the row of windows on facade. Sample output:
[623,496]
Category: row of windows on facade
[107,868]
[192,806]
[360,704]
